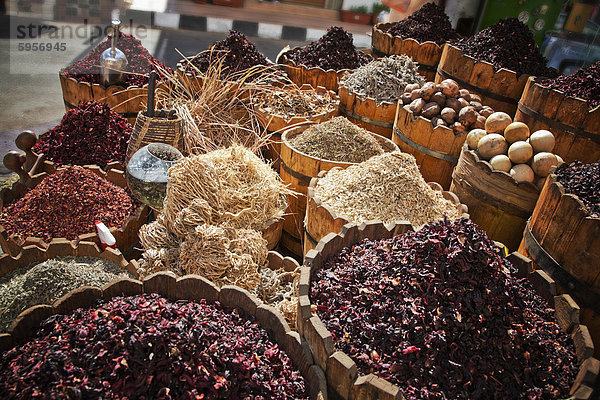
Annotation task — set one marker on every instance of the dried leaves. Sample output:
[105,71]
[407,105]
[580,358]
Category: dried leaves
[67,204]
[582,180]
[438,313]
[149,347]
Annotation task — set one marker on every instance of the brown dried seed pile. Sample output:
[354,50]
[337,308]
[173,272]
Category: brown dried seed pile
[337,140]
[388,187]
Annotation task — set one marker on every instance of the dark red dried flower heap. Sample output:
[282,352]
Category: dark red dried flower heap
[429,23]
[67,204]
[91,133]
[583,83]
[439,313]
[140,62]
[507,44]
[334,50]
[582,180]
[147,347]
[236,52]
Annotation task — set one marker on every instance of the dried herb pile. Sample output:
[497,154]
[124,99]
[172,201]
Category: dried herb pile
[67,204]
[582,180]
[384,79]
[337,140]
[45,282]
[91,133]
[293,102]
[216,205]
[507,44]
[334,50]
[429,23]
[438,313]
[583,83]
[140,62]
[388,187]
[149,347]
[237,54]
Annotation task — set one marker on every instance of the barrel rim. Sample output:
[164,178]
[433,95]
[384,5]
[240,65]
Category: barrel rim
[375,230]
[114,176]
[552,180]
[487,168]
[535,80]
[301,127]
[65,248]
[363,99]
[379,30]
[267,116]
[285,61]
[486,63]
[62,76]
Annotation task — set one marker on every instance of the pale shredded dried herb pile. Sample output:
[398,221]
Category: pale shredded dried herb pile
[148,347]
[384,79]
[337,140]
[334,50]
[439,313]
[388,187]
[45,282]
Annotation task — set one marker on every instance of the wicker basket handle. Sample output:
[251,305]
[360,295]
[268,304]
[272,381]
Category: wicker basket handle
[151,86]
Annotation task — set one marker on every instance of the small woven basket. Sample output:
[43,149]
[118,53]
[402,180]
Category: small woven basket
[158,129]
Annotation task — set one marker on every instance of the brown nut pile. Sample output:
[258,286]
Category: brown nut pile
[447,105]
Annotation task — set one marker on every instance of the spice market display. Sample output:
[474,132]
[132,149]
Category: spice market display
[401,175]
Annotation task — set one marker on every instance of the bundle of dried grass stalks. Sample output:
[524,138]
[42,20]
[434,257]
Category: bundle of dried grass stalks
[216,205]
[218,113]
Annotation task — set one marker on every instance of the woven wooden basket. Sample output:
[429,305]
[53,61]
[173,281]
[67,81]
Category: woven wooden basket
[155,130]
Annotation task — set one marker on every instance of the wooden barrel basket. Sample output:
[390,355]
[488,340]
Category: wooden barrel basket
[275,124]
[576,128]
[125,101]
[436,150]
[314,76]
[321,219]
[365,112]
[343,378]
[155,130]
[500,89]
[563,239]
[297,169]
[189,287]
[497,203]
[126,235]
[426,54]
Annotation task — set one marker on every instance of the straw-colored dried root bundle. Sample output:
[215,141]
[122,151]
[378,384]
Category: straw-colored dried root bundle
[229,187]
[225,256]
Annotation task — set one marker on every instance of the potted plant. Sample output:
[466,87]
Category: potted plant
[378,8]
[356,15]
